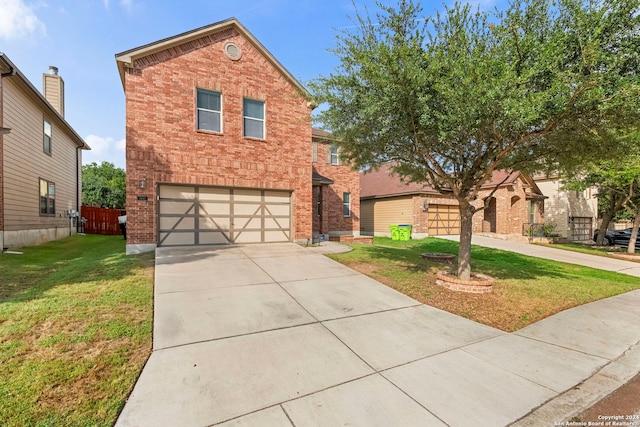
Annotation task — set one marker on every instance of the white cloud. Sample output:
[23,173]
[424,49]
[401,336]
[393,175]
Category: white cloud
[127,4]
[17,20]
[104,149]
[106,4]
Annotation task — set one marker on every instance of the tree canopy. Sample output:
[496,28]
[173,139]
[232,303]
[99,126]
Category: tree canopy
[103,185]
[452,97]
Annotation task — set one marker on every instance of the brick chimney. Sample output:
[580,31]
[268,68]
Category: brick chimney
[53,89]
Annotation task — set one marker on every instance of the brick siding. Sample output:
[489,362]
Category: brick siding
[346,180]
[163,145]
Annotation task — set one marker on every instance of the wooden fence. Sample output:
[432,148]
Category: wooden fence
[101,220]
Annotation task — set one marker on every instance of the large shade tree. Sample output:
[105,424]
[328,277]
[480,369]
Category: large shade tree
[450,98]
[103,185]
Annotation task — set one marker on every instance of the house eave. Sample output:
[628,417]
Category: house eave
[6,63]
[127,58]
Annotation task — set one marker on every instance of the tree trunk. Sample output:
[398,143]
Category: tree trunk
[464,250]
[634,234]
[606,219]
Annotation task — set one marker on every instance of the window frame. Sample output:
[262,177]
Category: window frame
[346,203]
[263,119]
[49,199]
[47,140]
[334,158]
[198,109]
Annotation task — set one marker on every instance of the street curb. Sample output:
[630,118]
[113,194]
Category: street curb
[573,402]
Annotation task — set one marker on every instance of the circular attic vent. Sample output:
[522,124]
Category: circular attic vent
[233,51]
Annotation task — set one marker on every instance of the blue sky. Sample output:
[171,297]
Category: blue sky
[81,38]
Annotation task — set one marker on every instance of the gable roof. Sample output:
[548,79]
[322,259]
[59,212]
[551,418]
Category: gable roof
[384,183]
[126,59]
[8,69]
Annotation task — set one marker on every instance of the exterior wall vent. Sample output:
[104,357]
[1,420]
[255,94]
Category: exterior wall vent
[233,51]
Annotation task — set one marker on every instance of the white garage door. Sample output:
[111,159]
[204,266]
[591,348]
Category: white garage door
[198,215]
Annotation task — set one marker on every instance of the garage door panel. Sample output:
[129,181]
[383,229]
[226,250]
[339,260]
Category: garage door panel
[206,223]
[246,195]
[279,210]
[247,223]
[176,192]
[215,208]
[276,197]
[195,215]
[277,223]
[177,223]
[246,209]
[213,194]
[179,208]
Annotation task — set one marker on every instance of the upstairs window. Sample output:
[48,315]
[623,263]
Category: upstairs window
[46,144]
[47,197]
[253,118]
[333,155]
[314,152]
[209,105]
[346,204]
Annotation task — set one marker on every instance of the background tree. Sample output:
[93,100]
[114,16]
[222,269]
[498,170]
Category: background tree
[103,185]
[616,181]
[451,98]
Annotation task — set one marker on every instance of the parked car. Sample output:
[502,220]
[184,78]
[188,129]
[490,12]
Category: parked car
[618,238]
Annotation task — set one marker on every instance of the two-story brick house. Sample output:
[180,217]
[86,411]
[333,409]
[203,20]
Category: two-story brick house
[336,191]
[40,160]
[218,142]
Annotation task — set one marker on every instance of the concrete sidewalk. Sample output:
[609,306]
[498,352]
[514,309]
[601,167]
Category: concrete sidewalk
[280,335]
[603,263]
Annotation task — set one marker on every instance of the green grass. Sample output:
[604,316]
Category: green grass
[606,251]
[75,331]
[526,289]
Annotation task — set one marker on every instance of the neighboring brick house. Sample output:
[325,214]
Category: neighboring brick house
[218,142]
[574,213]
[40,160]
[336,191]
[386,200]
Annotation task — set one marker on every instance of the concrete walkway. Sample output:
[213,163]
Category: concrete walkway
[280,335]
[595,261]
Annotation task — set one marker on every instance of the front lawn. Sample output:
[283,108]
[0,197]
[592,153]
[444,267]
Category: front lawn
[75,331]
[606,251]
[526,289]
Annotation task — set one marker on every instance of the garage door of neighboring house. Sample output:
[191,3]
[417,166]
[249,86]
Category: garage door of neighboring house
[200,215]
[443,220]
[581,229]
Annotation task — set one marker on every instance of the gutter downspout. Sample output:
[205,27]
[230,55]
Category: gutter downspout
[12,72]
[77,218]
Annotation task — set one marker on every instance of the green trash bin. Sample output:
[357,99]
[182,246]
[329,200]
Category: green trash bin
[405,231]
[395,233]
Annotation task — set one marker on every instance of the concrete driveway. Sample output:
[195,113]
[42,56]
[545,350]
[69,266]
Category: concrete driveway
[280,335]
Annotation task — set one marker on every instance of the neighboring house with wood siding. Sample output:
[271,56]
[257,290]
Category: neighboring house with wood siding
[219,146]
[40,160]
[386,200]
